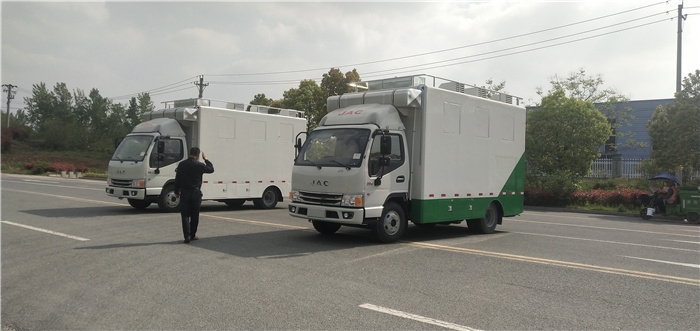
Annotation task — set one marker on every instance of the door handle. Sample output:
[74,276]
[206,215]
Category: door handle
[400,179]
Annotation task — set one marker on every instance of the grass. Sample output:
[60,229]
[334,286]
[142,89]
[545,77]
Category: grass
[16,160]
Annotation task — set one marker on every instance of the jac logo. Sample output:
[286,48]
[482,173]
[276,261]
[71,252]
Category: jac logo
[319,182]
[120,172]
[350,112]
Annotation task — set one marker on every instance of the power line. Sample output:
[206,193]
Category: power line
[416,67]
[445,50]
[166,87]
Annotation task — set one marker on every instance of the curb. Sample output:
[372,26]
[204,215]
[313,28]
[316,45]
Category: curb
[600,212]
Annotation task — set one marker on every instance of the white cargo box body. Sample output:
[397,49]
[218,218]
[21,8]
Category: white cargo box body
[467,151]
[250,151]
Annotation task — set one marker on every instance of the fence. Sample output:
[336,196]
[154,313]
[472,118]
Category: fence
[621,168]
[618,168]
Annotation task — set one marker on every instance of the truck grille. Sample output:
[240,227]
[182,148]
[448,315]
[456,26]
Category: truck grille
[327,199]
[120,182]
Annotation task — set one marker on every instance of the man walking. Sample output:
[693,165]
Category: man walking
[188,185]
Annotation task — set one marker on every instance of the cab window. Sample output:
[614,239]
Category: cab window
[173,152]
[397,155]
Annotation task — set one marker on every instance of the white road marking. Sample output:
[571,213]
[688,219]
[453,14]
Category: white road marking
[39,181]
[604,228]
[42,183]
[418,318]
[46,231]
[667,262]
[607,241]
[686,242]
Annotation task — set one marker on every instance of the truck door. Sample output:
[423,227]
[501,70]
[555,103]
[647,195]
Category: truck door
[394,177]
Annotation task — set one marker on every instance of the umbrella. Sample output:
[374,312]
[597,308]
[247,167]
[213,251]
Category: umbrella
[667,176]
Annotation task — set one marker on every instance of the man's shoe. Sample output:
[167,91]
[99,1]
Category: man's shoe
[187,241]
[195,238]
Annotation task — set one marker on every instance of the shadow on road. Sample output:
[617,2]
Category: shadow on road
[96,211]
[281,244]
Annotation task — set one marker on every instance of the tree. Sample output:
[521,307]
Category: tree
[309,98]
[38,105]
[491,87]
[335,83]
[261,100]
[608,101]
[675,129]
[562,139]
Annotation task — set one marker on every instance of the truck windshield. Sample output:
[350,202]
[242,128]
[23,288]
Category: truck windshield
[334,148]
[132,148]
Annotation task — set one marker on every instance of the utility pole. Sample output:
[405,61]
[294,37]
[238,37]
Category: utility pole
[681,18]
[10,95]
[201,85]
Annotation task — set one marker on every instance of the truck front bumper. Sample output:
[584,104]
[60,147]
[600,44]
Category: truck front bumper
[126,192]
[341,215]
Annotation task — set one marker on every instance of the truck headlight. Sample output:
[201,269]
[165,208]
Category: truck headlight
[294,196]
[352,200]
[139,183]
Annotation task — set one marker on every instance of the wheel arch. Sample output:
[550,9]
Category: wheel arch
[402,200]
[499,208]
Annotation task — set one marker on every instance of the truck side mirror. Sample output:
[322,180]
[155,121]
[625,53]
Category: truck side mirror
[385,145]
[298,145]
[161,147]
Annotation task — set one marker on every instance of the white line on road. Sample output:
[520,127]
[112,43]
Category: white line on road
[607,241]
[418,318]
[604,228]
[667,262]
[36,182]
[46,231]
[686,242]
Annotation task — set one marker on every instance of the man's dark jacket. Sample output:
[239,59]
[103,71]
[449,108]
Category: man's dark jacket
[189,174]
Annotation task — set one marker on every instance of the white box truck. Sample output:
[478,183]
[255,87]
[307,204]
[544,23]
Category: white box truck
[410,148]
[249,146]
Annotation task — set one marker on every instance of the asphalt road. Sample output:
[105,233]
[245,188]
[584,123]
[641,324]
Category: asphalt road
[73,258]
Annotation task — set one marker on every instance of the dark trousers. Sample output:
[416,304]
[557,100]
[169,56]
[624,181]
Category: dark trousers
[190,200]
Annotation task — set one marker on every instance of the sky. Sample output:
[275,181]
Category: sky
[246,48]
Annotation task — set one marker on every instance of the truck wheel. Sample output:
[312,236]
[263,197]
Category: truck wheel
[139,204]
[168,201]
[325,227]
[693,218]
[268,200]
[488,223]
[393,223]
[235,203]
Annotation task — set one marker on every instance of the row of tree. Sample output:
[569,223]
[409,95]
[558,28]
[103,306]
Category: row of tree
[63,120]
[576,116]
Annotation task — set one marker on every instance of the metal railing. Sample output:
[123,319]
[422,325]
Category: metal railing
[621,168]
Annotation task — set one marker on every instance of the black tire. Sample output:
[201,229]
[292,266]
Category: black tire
[268,200]
[643,214]
[168,201]
[139,204]
[488,223]
[326,227]
[393,223]
[693,218]
[235,203]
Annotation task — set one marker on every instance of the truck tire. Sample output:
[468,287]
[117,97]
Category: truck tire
[325,227]
[488,223]
[235,203]
[392,225]
[268,200]
[139,204]
[693,218]
[168,201]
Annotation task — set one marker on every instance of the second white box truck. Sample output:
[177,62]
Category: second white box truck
[410,149]
[249,146]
